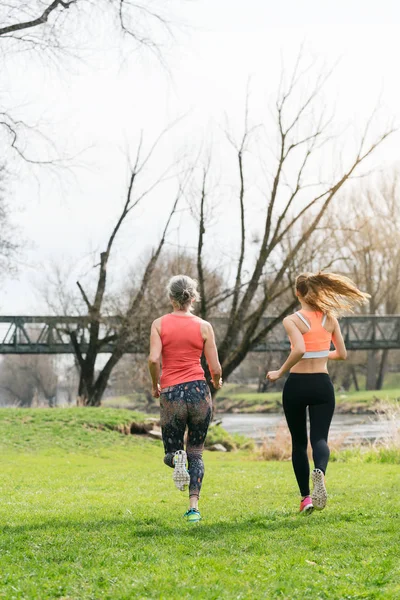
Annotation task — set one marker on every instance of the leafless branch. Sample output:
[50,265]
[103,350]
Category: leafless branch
[41,20]
[84,296]
[202,230]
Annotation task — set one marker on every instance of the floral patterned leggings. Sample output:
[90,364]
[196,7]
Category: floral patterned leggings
[180,405]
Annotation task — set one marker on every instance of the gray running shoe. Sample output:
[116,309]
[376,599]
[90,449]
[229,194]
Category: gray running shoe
[319,495]
[181,475]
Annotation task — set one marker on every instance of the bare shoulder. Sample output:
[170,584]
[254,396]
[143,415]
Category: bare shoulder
[156,324]
[206,328]
[332,323]
[203,322]
[288,320]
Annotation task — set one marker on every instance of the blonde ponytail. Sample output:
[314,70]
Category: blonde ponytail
[329,293]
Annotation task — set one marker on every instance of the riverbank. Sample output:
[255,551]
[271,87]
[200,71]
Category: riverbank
[236,399]
[362,402]
[350,430]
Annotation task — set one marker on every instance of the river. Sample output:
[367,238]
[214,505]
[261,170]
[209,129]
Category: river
[353,428]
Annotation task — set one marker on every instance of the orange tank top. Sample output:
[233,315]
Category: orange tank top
[182,348]
[317,339]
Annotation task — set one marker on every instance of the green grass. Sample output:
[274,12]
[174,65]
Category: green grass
[368,396]
[88,513]
[124,401]
[367,454]
[63,428]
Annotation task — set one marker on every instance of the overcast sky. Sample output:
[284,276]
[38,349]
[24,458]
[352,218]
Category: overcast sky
[94,111]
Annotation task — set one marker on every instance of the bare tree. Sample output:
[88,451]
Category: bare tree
[50,30]
[62,29]
[44,25]
[367,233]
[132,372]
[290,199]
[155,300]
[8,243]
[46,378]
[358,237]
[92,384]
[22,378]
[131,377]
[16,387]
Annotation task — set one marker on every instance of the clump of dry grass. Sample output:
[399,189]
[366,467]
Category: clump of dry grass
[389,414]
[279,446]
[386,449]
[338,443]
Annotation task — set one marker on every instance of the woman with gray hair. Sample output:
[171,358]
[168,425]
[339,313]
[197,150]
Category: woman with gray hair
[177,341]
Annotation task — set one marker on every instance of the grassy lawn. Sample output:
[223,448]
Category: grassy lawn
[88,513]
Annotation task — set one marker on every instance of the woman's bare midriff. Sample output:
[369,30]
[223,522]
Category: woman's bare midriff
[311,365]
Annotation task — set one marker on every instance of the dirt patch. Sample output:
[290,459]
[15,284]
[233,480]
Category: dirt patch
[133,428]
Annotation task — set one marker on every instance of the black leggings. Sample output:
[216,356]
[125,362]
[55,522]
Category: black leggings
[180,405]
[314,390]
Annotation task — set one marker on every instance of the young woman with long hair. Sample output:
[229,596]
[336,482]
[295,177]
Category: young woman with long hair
[323,297]
[177,341]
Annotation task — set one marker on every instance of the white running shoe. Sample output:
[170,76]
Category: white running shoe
[319,495]
[181,475]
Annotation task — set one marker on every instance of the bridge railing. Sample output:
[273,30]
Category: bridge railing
[52,335]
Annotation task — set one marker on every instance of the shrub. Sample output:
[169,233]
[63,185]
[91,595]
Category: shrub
[218,435]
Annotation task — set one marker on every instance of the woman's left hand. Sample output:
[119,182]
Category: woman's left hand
[273,375]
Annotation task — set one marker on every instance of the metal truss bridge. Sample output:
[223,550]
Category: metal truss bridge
[51,335]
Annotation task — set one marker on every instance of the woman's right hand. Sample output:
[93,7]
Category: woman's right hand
[274,375]
[156,391]
[218,383]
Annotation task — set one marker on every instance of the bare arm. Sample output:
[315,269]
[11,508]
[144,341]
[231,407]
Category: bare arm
[211,354]
[340,352]
[296,354]
[155,357]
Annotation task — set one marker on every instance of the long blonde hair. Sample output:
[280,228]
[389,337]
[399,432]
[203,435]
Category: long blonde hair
[329,293]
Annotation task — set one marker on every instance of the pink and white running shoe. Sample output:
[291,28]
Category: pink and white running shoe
[306,506]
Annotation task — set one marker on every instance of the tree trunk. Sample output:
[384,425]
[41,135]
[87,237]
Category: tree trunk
[346,380]
[382,369]
[355,378]
[371,370]
[95,395]
[51,400]
[261,380]
[82,390]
